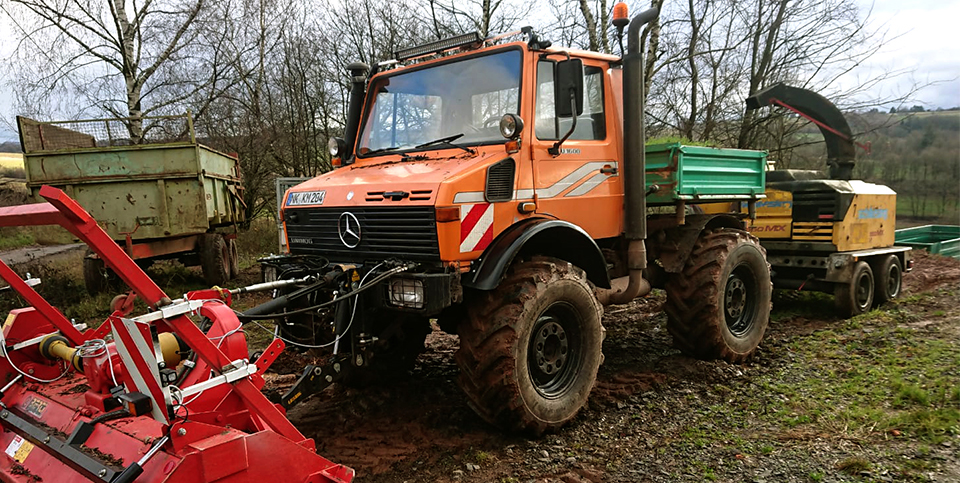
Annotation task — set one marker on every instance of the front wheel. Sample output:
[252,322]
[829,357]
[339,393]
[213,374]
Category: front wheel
[718,307]
[530,349]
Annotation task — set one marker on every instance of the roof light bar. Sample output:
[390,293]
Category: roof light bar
[438,46]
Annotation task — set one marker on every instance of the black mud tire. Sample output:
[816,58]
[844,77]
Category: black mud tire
[718,307]
[399,346]
[215,259]
[234,258]
[888,272]
[530,349]
[95,275]
[856,296]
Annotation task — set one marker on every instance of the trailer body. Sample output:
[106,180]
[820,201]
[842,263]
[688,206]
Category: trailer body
[166,197]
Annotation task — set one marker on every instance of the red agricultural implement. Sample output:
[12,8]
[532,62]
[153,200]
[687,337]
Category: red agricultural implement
[154,398]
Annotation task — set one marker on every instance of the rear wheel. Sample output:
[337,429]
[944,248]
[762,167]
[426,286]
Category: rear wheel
[856,296]
[718,307]
[234,258]
[215,259]
[889,274]
[530,349]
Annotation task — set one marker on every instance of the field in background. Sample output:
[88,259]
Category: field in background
[11,160]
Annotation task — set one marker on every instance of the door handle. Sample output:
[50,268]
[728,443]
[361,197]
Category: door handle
[609,170]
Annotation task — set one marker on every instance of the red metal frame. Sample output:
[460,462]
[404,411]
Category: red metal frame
[227,407]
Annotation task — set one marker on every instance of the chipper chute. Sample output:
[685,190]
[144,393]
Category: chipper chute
[169,396]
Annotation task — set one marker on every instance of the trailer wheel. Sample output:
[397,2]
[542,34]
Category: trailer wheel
[215,259]
[234,258]
[855,297]
[889,274]
[95,275]
[718,307]
[530,349]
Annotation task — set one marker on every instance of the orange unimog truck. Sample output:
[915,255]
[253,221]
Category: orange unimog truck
[501,189]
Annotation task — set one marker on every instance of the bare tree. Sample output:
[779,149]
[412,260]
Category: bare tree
[112,53]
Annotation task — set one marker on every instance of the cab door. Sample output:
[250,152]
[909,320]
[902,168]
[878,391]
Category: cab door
[581,182]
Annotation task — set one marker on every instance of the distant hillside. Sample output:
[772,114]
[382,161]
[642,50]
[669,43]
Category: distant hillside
[915,153]
[10,147]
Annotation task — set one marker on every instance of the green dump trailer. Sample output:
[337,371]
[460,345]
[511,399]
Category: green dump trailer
[160,194]
[940,239]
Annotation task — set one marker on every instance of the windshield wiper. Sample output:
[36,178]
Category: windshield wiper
[448,140]
[381,150]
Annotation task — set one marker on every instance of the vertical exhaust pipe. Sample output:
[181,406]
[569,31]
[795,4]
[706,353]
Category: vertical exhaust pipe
[634,160]
[358,79]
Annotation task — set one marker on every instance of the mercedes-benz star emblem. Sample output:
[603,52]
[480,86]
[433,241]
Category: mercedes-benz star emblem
[348,226]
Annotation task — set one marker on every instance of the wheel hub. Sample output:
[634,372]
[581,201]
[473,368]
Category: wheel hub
[738,302]
[550,347]
[736,297]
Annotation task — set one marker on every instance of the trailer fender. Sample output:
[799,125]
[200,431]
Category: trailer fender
[673,245]
[554,238]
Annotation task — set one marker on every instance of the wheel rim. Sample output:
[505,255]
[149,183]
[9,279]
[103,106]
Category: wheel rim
[739,304]
[555,352]
[863,290]
[893,281]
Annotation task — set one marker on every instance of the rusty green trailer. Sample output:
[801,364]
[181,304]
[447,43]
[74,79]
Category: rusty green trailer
[161,194]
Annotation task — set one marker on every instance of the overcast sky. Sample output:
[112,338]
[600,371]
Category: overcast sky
[925,42]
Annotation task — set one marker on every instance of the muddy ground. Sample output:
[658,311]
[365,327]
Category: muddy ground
[875,398]
[656,415]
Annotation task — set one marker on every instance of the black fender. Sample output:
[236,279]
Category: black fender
[673,245]
[541,236]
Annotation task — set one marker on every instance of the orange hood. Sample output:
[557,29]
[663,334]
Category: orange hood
[420,175]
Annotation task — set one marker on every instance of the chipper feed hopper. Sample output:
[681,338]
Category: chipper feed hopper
[169,396]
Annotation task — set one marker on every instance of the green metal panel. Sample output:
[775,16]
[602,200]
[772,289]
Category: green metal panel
[696,173]
[96,165]
[941,239]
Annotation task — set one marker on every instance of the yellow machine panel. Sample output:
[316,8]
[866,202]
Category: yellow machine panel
[869,223]
[774,215]
[770,227]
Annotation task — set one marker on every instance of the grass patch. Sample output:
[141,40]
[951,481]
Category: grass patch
[10,239]
[854,465]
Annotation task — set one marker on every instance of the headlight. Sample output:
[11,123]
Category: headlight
[406,292]
[511,125]
[337,147]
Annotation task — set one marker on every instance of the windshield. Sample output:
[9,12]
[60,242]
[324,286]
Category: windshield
[465,97]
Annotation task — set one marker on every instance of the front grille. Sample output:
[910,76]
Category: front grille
[408,233]
[815,205]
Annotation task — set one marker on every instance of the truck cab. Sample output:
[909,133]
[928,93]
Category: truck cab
[435,176]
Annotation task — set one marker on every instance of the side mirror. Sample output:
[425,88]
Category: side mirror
[568,85]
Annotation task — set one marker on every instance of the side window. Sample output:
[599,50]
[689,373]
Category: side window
[591,125]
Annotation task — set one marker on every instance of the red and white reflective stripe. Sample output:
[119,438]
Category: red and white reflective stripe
[476,227]
[134,343]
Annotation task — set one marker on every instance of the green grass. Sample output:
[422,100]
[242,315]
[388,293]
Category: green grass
[928,206]
[10,239]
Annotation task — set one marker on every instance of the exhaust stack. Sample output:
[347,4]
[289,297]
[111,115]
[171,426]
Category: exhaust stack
[635,201]
[358,78]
